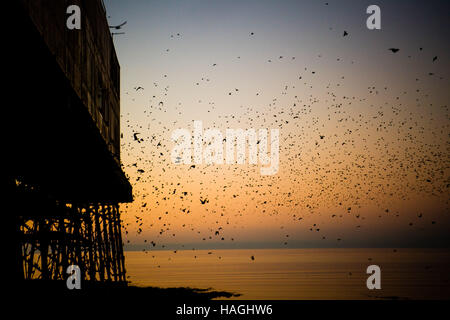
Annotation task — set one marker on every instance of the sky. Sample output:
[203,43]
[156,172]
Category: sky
[364,131]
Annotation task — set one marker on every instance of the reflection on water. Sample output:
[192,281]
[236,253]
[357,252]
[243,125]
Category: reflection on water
[297,273]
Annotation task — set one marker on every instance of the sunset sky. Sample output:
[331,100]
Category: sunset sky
[364,132]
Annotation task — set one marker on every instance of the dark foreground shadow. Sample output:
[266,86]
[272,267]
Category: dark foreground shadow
[56,290]
[180,293]
[387,297]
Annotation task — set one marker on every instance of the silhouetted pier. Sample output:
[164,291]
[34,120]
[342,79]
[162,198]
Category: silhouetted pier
[63,178]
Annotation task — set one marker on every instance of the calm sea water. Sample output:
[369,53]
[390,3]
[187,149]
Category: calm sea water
[297,273]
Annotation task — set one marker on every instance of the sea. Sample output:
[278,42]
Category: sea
[297,274]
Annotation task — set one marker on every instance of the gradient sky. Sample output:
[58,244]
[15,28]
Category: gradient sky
[384,117]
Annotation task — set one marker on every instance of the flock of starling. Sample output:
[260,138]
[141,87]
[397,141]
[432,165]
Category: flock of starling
[345,158]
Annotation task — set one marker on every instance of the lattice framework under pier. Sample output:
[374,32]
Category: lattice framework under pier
[87,235]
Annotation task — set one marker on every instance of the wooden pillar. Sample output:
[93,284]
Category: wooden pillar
[98,236]
[43,248]
[112,239]
[121,258]
[76,212]
[107,252]
[90,242]
[63,240]
[32,251]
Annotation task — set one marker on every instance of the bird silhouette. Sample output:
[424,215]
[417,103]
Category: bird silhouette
[119,26]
